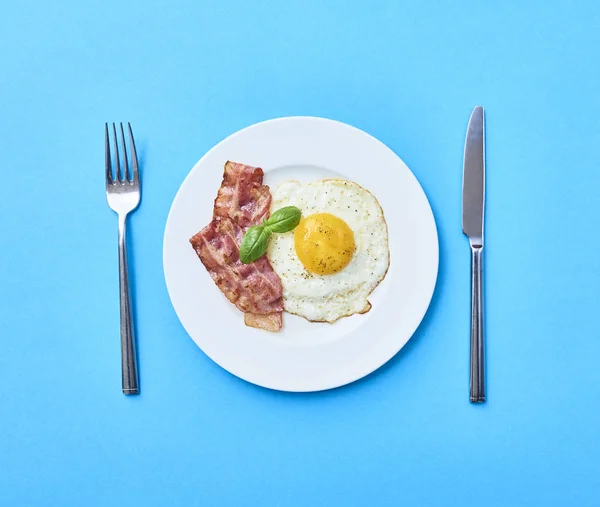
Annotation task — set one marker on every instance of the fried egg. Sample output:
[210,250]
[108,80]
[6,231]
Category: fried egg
[338,253]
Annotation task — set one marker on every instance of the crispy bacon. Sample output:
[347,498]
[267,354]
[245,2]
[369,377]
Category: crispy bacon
[242,196]
[254,288]
[270,322]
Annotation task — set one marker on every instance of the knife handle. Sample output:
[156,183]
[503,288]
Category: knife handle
[477,342]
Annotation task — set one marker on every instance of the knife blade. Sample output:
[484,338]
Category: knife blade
[472,222]
[474,178]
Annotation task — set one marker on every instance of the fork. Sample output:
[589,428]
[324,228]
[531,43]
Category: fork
[123,196]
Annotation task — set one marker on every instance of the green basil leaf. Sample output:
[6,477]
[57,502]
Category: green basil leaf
[254,243]
[284,219]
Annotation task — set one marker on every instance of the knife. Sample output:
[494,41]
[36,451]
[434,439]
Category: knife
[472,223]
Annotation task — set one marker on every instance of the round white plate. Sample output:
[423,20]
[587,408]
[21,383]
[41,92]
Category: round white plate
[305,356]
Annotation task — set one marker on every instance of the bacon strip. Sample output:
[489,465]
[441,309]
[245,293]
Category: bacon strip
[242,196]
[254,288]
[270,322]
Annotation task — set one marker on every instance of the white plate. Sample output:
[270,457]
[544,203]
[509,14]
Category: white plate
[305,356]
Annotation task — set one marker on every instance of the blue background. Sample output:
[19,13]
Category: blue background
[187,74]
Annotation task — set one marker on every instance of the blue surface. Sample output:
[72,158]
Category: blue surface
[187,74]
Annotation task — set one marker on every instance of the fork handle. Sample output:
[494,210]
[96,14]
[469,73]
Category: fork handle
[128,356]
[477,341]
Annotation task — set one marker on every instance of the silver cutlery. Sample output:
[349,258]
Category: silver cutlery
[123,196]
[472,223]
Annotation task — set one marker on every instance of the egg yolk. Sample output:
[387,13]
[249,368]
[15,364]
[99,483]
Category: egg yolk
[324,243]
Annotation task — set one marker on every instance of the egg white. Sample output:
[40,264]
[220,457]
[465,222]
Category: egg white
[326,298]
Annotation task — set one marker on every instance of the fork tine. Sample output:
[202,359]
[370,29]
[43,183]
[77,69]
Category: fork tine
[134,161]
[118,172]
[107,160]
[126,174]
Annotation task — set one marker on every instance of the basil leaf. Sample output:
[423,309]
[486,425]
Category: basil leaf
[254,243]
[284,219]
[256,239]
